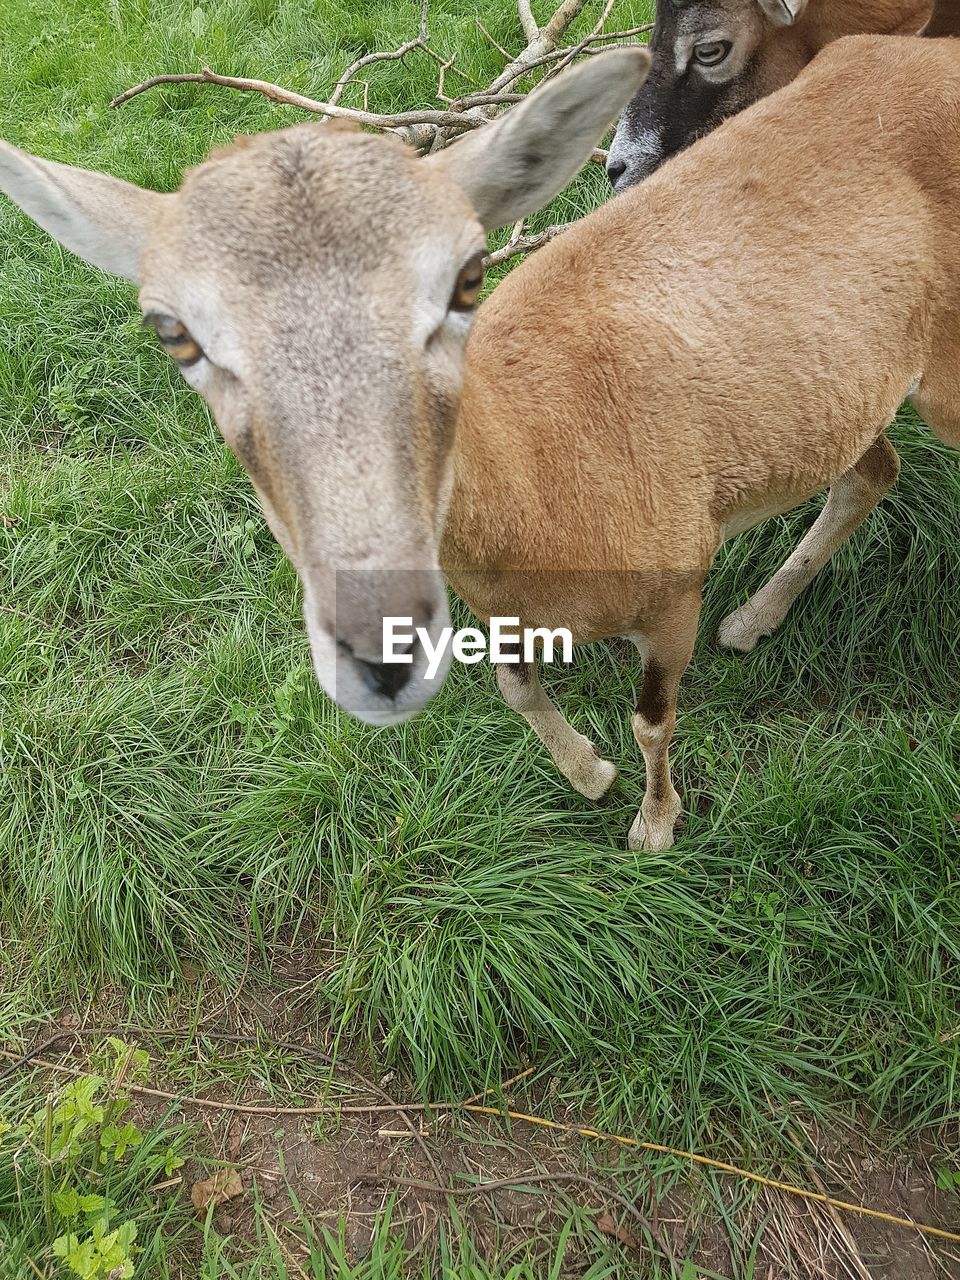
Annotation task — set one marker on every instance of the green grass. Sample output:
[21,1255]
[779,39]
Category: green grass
[171,779]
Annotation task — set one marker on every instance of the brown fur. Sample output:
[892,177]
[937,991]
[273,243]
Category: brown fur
[726,339]
[784,51]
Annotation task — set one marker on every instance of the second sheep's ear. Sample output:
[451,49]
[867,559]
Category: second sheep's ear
[783,13]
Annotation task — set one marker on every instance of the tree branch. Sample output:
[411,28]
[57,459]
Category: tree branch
[545,41]
[519,243]
[442,119]
[366,61]
[430,130]
[527,21]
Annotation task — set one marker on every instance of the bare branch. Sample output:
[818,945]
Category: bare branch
[519,243]
[508,57]
[420,42]
[527,21]
[579,48]
[628,34]
[568,12]
[602,20]
[486,100]
[441,119]
[426,130]
[450,63]
[526,63]
[366,60]
[546,41]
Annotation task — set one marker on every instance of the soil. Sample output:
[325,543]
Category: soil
[345,1167]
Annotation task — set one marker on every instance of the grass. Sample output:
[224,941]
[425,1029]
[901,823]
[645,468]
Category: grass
[174,785]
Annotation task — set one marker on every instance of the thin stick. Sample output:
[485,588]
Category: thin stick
[520,68]
[288,1045]
[845,1233]
[524,244]
[366,61]
[424,129]
[212,1104]
[444,68]
[418,42]
[376,120]
[229,1037]
[502,1087]
[579,48]
[818,1196]
[584,1131]
[499,47]
[24,617]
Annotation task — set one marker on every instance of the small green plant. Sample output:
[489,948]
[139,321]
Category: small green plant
[102,1254]
[67,1175]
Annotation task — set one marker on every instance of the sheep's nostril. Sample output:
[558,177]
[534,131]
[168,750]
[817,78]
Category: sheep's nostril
[385,679]
[615,171]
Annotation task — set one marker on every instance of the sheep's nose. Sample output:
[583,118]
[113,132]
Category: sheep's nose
[615,171]
[386,679]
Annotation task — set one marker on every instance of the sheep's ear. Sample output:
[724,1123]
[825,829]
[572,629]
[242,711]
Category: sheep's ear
[516,164]
[783,13]
[99,218]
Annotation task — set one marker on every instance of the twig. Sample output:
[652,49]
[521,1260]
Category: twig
[450,63]
[817,1197]
[418,42]
[524,244]
[499,47]
[843,1230]
[502,1087]
[567,13]
[213,1104]
[723,1166]
[444,68]
[546,41]
[483,99]
[24,617]
[520,1180]
[229,1037]
[376,120]
[426,130]
[411,1127]
[366,61]
[579,48]
[519,68]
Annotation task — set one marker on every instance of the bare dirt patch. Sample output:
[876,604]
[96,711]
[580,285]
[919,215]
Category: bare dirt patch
[339,1166]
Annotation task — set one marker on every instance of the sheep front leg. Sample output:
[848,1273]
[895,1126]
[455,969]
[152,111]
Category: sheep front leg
[666,650]
[573,754]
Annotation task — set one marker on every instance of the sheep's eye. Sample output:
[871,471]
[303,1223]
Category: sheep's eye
[712,52]
[466,291]
[175,339]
